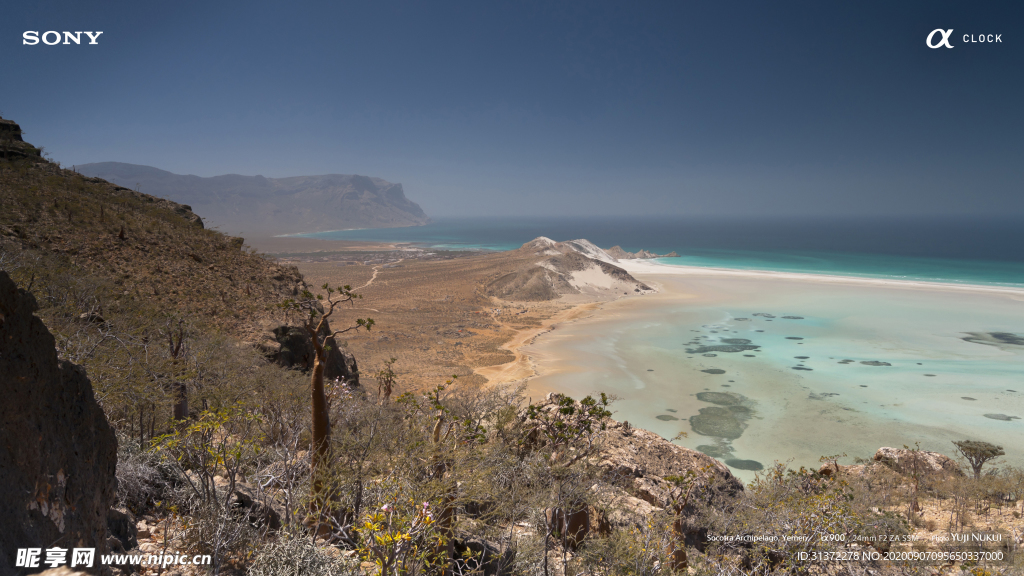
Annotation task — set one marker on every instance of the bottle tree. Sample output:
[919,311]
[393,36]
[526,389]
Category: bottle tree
[316,311]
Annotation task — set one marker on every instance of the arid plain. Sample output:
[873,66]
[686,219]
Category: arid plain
[429,308]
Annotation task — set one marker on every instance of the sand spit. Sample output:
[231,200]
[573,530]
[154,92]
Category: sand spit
[643,269]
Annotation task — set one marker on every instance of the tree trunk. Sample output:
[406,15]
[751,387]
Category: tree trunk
[181,406]
[678,551]
[446,514]
[321,425]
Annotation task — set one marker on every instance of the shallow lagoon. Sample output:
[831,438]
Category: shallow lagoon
[800,369]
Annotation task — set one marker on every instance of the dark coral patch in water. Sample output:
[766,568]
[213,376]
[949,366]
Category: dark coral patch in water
[1004,340]
[714,371]
[793,317]
[718,422]
[764,315]
[714,451]
[929,374]
[794,338]
[1003,417]
[671,410]
[753,465]
[803,368]
[666,417]
[968,398]
[875,363]
[727,345]
[720,398]
[801,357]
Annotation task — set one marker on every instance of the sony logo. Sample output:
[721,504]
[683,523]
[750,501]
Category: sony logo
[31,37]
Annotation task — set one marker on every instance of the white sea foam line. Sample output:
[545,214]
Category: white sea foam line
[657,268]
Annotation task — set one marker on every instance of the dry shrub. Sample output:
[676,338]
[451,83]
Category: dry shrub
[140,483]
[300,557]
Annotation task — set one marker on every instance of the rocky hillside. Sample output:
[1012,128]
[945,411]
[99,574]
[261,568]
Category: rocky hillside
[116,272]
[255,205]
[136,247]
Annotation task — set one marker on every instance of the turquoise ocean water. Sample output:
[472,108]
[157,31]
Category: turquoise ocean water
[987,252]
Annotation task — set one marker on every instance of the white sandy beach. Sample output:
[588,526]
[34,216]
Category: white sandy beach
[648,270]
[817,383]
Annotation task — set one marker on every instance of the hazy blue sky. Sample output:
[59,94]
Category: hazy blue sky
[519,108]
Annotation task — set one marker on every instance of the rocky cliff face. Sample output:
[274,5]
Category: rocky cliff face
[58,454]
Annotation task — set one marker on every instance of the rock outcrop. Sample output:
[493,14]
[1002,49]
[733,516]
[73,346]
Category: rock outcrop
[928,463]
[645,461]
[58,454]
[12,147]
[290,347]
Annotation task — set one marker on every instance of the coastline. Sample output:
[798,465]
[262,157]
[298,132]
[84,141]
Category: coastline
[526,366]
[648,268]
[930,383]
[834,358]
[523,367]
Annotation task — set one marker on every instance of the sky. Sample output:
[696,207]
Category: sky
[547,108]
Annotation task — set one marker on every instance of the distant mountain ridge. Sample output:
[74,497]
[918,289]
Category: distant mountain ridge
[254,205]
